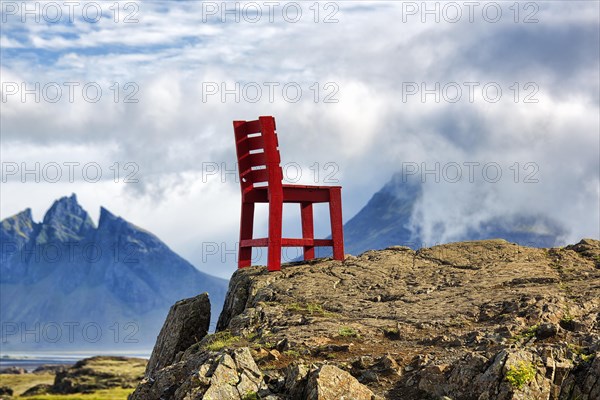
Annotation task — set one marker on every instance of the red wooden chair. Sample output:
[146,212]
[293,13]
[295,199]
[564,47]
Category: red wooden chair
[261,182]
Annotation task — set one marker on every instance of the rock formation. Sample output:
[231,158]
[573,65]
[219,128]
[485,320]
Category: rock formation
[188,322]
[473,320]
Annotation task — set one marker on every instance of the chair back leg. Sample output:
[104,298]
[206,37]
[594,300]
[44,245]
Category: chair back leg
[337,229]
[275,221]
[308,232]
[246,226]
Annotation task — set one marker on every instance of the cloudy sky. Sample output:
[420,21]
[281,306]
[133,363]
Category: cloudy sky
[133,105]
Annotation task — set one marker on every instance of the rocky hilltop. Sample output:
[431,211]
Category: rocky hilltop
[472,320]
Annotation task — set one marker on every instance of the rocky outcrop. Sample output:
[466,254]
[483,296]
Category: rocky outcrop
[473,320]
[187,323]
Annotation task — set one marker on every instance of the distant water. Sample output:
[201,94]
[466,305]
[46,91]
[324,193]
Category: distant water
[31,361]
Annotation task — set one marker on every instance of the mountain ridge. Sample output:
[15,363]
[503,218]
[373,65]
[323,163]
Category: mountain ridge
[66,270]
[388,219]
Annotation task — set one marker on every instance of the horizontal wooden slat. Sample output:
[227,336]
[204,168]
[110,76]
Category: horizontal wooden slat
[250,143]
[252,127]
[254,242]
[255,175]
[286,242]
[252,160]
[306,242]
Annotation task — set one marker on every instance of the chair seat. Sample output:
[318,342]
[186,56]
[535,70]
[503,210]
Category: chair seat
[292,194]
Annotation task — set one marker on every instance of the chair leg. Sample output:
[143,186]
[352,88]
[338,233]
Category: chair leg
[275,220]
[246,224]
[306,211]
[337,229]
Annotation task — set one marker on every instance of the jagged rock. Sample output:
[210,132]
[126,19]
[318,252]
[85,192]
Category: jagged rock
[295,381]
[433,380]
[331,383]
[250,376]
[545,331]
[187,323]
[224,380]
[230,375]
[387,364]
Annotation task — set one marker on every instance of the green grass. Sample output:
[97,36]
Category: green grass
[269,345]
[587,358]
[526,333]
[251,396]
[314,308]
[129,367]
[309,308]
[107,394]
[106,378]
[394,333]
[346,331]
[520,374]
[20,383]
[567,319]
[220,340]
[579,351]
[292,353]
[575,348]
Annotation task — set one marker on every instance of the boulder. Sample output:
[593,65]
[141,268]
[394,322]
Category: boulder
[295,380]
[331,383]
[187,323]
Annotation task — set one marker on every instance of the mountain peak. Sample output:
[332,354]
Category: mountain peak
[19,225]
[105,215]
[24,216]
[62,205]
[67,219]
[108,219]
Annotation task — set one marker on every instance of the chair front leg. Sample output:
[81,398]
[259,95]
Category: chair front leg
[246,226]
[337,229]
[275,221]
[306,211]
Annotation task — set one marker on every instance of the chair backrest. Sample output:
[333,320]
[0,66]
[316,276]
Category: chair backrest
[258,156]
